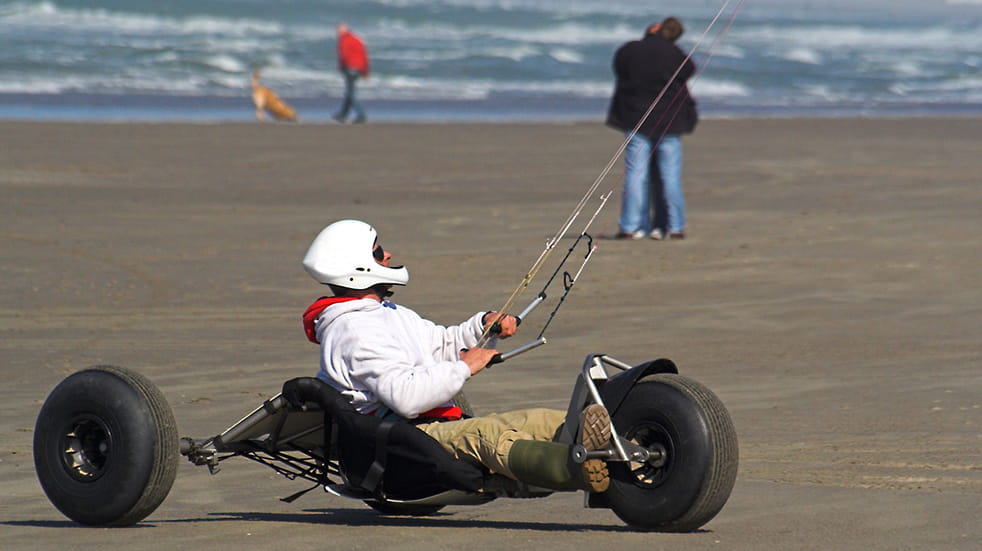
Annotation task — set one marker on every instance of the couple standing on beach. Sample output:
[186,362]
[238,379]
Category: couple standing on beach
[652,73]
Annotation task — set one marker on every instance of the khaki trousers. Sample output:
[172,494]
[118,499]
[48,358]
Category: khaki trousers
[487,440]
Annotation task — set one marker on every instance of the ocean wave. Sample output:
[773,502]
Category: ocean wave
[703,88]
[440,32]
[962,85]
[225,63]
[566,55]
[514,52]
[827,36]
[49,16]
[424,88]
[100,84]
[804,55]
[907,68]
[554,8]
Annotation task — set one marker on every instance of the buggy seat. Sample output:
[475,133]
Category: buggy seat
[388,459]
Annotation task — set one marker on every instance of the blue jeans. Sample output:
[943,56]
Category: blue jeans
[350,97]
[635,202]
[639,186]
[669,201]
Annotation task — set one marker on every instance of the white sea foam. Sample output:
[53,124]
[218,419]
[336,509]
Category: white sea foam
[908,68]
[629,8]
[226,63]
[566,55]
[578,34]
[804,55]
[708,88]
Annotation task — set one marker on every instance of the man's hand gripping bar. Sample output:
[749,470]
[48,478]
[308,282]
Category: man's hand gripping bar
[496,328]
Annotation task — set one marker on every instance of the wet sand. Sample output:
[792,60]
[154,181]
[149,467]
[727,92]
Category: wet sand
[828,293]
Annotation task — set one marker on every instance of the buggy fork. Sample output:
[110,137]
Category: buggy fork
[586,392]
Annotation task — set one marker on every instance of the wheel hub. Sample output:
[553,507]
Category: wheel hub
[658,441]
[85,448]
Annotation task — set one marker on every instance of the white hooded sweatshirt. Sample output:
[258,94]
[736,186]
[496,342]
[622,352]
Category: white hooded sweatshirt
[381,354]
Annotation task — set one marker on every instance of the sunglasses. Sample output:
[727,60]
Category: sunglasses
[379,253]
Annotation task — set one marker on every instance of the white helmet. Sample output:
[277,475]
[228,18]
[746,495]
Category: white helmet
[341,255]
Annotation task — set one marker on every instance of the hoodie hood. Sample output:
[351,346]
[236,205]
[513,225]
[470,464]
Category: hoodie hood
[313,313]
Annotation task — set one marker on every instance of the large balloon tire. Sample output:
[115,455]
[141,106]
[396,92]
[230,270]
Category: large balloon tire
[693,426]
[403,509]
[106,447]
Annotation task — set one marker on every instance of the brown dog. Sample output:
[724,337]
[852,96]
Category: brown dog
[266,100]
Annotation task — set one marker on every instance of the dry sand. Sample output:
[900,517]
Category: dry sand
[828,293]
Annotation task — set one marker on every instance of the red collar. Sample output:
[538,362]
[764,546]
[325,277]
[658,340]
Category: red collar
[314,310]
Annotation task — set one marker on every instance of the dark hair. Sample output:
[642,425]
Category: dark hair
[380,289]
[671,28]
[340,291]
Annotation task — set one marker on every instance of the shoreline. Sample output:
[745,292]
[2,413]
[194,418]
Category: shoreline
[76,107]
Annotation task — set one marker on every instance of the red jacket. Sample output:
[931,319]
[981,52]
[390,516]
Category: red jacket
[352,54]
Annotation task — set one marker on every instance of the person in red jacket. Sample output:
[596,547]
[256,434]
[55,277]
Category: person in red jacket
[353,64]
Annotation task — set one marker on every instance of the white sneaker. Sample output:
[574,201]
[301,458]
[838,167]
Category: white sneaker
[657,234]
[635,235]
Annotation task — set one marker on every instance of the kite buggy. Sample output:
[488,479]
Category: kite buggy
[106,448]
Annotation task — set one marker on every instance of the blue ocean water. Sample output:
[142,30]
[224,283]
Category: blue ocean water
[479,59]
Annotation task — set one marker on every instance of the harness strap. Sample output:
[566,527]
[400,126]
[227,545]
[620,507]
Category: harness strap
[373,477]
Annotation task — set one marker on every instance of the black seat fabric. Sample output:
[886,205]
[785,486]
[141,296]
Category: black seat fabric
[415,465]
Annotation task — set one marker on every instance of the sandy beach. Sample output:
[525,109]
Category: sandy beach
[828,293]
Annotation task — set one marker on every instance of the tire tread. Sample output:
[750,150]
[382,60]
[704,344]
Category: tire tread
[716,482]
[165,455]
[720,481]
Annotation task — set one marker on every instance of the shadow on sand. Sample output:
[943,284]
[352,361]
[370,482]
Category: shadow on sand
[348,517]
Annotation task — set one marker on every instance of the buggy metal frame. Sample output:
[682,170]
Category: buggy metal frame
[300,444]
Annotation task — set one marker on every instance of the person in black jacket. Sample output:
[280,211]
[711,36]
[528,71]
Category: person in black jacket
[651,69]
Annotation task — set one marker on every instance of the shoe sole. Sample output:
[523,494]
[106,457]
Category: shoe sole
[595,475]
[595,435]
[595,427]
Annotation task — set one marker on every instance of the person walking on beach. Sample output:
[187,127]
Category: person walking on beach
[643,68]
[353,64]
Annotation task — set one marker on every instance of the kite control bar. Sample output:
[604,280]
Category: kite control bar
[568,282]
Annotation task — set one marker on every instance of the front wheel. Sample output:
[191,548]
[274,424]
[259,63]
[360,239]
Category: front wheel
[106,447]
[685,421]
